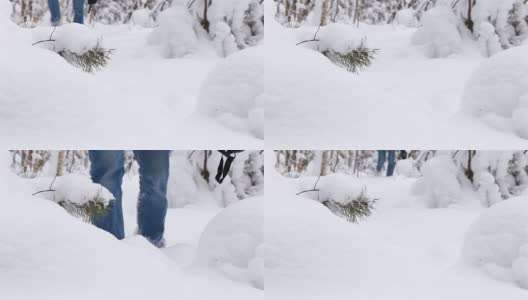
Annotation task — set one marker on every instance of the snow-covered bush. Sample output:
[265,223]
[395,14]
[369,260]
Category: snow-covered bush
[439,35]
[232,92]
[229,242]
[142,18]
[177,33]
[488,39]
[232,24]
[76,193]
[192,183]
[439,185]
[343,194]
[406,17]
[78,44]
[497,242]
[497,91]
[344,45]
[407,167]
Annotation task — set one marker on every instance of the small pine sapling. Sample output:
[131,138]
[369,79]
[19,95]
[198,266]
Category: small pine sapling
[93,60]
[90,211]
[357,59]
[356,209]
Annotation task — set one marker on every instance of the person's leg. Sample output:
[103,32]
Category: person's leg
[392,162]
[54,9]
[107,169]
[381,160]
[78,11]
[152,202]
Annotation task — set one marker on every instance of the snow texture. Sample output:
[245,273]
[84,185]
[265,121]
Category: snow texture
[73,37]
[497,92]
[233,91]
[439,184]
[176,35]
[229,242]
[497,242]
[439,35]
[72,188]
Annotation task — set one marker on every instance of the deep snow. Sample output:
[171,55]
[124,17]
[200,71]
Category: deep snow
[403,251]
[141,98]
[404,98]
[46,253]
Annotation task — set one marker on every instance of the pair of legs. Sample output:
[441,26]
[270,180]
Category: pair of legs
[78,11]
[382,155]
[107,169]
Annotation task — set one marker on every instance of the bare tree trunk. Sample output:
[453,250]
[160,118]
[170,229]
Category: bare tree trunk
[324,163]
[60,163]
[205,21]
[325,12]
[469,21]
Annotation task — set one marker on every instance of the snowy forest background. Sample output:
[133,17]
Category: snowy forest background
[442,176]
[191,173]
[496,24]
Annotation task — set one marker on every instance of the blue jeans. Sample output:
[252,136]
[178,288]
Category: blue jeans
[381,161]
[107,169]
[78,11]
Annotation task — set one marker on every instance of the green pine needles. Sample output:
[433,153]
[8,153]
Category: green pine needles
[91,211]
[355,210]
[93,60]
[354,61]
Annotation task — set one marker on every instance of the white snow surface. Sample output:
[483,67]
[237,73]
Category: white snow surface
[229,242]
[439,34]
[497,241]
[403,251]
[73,37]
[404,98]
[44,100]
[497,91]
[48,254]
[232,93]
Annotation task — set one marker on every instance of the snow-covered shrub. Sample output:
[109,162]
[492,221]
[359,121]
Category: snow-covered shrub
[439,35]
[439,185]
[488,39]
[497,241]
[142,18]
[176,35]
[192,183]
[406,17]
[343,194]
[232,92]
[229,242]
[407,167]
[77,194]
[79,45]
[344,45]
[232,24]
[496,89]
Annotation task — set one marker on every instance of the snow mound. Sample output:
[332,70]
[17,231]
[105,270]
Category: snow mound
[405,17]
[72,188]
[142,18]
[497,242]
[407,167]
[439,35]
[229,242]
[175,35]
[498,89]
[339,188]
[341,38]
[73,37]
[439,184]
[233,91]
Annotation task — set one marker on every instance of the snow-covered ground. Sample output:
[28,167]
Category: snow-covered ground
[140,99]
[404,98]
[46,253]
[403,251]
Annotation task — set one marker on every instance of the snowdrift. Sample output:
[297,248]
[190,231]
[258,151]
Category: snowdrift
[497,92]
[230,241]
[497,242]
[232,93]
